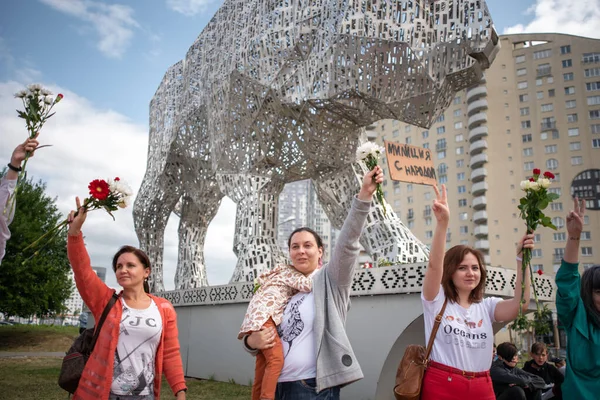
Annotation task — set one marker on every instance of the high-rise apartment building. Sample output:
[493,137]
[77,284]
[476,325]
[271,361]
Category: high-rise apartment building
[537,107]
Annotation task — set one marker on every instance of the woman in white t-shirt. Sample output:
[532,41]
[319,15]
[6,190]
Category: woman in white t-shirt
[463,347]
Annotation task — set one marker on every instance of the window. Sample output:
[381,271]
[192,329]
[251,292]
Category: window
[462,189]
[551,93]
[574,146]
[539,95]
[595,128]
[590,73]
[525,124]
[522,85]
[571,118]
[520,59]
[554,190]
[570,90]
[543,69]
[411,224]
[457,113]
[456,100]
[524,111]
[596,143]
[586,251]
[527,138]
[407,128]
[573,132]
[443,179]
[425,134]
[592,86]
[463,216]
[559,236]
[569,76]
[441,130]
[593,100]
[586,235]
[550,149]
[544,135]
[570,104]
[565,49]
[460,176]
[428,221]
[528,151]
[523,98]
[556,206]
[464,230]
[536,253]
[528,166]
[396,133]
[462,202]
[586,219]
[547,107]
[440,118]
[459,137]
[521,71]
[590,58]
[558,222]
[567,63]
[542,54]
[576,160]
[539,82]
[594,114]
[428,234]
[409,187]
[408,140]
[552,163]
[458,125]
[460,163]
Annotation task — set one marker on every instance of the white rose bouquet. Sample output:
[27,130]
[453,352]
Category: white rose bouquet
[370,153]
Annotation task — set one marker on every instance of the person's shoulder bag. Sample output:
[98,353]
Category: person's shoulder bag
[409,377]
[77,356]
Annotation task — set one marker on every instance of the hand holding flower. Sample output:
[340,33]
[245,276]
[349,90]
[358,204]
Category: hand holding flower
[76,219]
[369,153]
[371,182]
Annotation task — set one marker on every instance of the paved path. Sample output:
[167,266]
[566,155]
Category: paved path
[13,354]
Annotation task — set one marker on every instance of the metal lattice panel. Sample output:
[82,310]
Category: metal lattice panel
[277,91]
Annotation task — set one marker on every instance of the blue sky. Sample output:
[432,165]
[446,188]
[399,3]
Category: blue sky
[108,58]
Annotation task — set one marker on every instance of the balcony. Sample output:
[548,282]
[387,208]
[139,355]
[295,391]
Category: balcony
[477,119]
[482,245]
[547,126]
[475,106]
[543,71]
[440,146]
[477,147]
[480,231]
[478,133]
[557,258]
[476,92]
[480,217]
[427,212]
[478,189]
[410,215]
[478,160]
[479,203]
[479,174]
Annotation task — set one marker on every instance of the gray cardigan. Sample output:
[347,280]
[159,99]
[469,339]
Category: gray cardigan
[336,362]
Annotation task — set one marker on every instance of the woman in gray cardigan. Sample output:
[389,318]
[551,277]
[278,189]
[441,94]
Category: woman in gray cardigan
[318,357]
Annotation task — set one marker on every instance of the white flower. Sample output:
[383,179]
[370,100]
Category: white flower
[525,185]
[534,186]
[48,100]
[46,92]
[544,183]
[119,187]
[20,94]
[125,202]
[368,148]
[34,87]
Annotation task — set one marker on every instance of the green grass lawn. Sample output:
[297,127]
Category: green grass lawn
[37,337]
[36,378]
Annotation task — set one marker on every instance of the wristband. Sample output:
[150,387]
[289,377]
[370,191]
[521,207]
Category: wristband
[12,167]
[519,258]
[573,238]
[246,343]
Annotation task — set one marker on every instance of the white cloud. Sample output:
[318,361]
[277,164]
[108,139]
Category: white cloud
[188,7]
[89,143]
[114,23]
[570,17]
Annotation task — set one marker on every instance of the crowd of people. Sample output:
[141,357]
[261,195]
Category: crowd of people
[295,323]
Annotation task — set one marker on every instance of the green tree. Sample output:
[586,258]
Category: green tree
[37,285]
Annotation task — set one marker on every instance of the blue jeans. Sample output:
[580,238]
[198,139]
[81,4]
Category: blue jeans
[305,389]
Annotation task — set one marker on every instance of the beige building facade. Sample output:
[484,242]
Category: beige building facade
[537,107]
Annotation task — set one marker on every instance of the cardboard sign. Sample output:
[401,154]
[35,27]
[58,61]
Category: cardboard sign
[408,163]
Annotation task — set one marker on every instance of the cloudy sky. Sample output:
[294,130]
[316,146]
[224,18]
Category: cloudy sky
[107,58]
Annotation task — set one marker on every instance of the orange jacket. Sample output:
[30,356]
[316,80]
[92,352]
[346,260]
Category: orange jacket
[96,379]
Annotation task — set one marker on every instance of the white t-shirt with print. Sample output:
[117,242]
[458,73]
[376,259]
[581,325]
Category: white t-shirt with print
[465,338]
[297,336]
[139,336]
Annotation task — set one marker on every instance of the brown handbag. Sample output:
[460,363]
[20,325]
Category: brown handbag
[409,376]
[77,356]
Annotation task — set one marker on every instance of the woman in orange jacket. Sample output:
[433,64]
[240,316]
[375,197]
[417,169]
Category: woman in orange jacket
[139,338]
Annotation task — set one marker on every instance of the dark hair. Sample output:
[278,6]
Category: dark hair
[590,281]
[452,259]
[305,229]
[507,351]
[538,348]
[141,256]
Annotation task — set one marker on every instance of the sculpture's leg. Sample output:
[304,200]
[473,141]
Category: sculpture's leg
[195,218]
[155,201]
[384,236]
[255,241]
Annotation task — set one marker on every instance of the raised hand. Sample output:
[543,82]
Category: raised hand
[369,184]
[76,221]
[526,242]
[20,152]
[575,218]
[440,205]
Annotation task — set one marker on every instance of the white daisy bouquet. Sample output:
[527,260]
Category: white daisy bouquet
[370,153]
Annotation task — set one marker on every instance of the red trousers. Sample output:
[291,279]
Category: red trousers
[269,363]
[439,384]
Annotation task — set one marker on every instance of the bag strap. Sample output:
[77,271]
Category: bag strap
[436,325]
[110,304]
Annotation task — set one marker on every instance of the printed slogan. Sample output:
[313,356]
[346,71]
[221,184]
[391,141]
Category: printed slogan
[408,163]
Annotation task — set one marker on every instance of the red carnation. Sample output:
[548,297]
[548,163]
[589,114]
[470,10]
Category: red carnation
[540,272]
[58,98]
[536,171]
[549,175]
[117,179]
[99,189]
[531,180]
